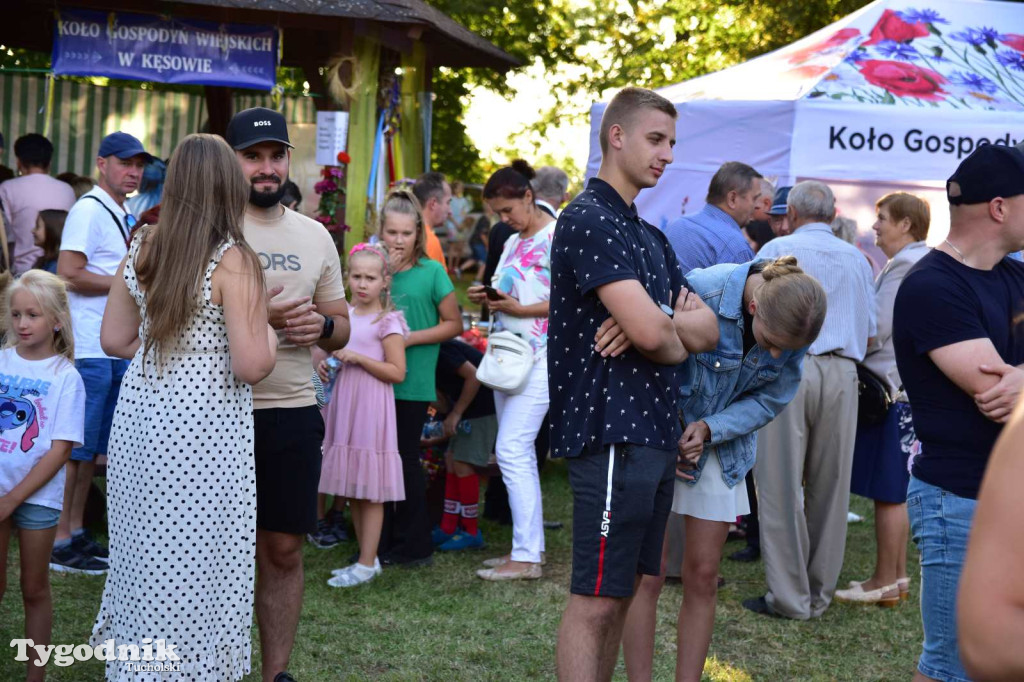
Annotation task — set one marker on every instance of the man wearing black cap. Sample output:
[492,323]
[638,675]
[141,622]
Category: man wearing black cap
[307,307]
[95,239]
[959,345]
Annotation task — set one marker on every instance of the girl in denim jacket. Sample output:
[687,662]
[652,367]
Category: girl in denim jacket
[769,312]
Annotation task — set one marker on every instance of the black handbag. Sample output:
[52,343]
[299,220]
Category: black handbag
[874,400]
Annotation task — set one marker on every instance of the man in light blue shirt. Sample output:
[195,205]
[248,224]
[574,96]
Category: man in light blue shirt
[714,236]
[805,456]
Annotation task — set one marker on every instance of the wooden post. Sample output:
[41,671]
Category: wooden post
[219,109]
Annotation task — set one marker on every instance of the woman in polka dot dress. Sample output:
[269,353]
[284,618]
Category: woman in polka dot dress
[187,306]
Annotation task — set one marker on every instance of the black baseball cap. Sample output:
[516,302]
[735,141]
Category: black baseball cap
[992,170]
[779,201]
[256,125]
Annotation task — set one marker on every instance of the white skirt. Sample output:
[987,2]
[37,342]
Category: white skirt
[711,499]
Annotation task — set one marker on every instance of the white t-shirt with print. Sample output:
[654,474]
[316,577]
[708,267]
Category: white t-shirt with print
[524,273]
[90,230]
[40,401]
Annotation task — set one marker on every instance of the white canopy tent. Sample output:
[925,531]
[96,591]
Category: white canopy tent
[891,97]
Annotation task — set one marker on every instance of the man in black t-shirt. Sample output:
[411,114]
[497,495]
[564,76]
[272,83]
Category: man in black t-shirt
[613,404]
[959,341]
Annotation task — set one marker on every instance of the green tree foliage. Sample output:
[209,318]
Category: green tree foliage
[610,44]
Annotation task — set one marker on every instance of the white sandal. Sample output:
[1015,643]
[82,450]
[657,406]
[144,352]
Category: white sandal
[887,596]
[353,575]
[339,571]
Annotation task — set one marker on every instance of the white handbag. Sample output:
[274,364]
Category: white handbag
[506,364]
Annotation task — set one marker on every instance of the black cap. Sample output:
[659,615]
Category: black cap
[779,201]
[993,170]
[256,125]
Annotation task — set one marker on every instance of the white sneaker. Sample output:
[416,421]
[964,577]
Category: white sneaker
[353,575]
[853,518]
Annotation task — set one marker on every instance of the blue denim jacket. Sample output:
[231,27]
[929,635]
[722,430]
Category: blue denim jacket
[733,394]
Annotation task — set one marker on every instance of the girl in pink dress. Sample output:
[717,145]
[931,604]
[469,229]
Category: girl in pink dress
[361,461]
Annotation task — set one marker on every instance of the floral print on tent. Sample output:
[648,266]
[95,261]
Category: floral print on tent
[913,58]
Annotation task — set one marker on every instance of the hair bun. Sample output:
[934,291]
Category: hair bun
[524,169]
[780,267]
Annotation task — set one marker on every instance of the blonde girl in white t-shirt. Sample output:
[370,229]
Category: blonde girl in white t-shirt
[42,412]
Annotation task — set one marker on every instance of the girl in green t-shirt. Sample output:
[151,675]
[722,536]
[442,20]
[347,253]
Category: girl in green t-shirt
[421,289]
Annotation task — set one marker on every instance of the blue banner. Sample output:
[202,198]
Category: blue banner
[165,50]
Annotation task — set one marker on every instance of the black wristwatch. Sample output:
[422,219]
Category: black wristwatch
[328,331]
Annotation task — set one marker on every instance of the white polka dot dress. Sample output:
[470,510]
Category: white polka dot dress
[181,503]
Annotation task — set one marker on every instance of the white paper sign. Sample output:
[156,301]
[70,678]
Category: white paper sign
[331,136]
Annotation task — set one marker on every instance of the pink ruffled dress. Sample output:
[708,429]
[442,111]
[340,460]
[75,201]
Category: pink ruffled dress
[361,458]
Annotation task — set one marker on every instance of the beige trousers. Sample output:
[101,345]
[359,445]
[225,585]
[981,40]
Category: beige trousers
[804,458]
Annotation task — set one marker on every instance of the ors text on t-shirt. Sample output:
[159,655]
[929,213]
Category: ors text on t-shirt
[297,253]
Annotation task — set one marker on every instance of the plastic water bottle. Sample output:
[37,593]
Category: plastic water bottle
[333,365]
[432,428]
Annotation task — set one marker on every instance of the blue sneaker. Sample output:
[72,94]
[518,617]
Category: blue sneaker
[439,537]
[461,541]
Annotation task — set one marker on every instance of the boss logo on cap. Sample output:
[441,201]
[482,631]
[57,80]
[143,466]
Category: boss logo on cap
[261,123]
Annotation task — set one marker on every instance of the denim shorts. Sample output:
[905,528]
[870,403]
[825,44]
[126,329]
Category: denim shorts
[940,523]
[30,516]
[102,379]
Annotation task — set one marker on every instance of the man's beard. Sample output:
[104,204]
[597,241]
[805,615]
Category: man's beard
[266,199]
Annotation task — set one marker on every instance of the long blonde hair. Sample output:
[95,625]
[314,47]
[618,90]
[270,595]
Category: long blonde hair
[204,199]
[51,294]
[404,202]
[790,301]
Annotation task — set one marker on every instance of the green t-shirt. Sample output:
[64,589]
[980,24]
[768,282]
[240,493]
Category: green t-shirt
[417,292]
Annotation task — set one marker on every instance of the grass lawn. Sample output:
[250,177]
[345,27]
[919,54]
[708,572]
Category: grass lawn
[443,623]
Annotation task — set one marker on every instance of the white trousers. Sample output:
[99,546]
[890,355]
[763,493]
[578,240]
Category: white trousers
[519,420]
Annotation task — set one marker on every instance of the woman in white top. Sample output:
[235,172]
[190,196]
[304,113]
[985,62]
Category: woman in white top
[519,301]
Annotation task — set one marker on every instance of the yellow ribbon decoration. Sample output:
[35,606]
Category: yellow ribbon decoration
[48,119]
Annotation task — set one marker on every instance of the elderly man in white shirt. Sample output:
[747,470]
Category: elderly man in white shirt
[805,456]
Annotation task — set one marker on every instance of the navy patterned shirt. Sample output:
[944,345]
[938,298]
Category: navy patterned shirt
[599,401]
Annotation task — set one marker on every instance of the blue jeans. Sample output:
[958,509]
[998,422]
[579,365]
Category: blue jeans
[102,379]
[30,516]
[940,523]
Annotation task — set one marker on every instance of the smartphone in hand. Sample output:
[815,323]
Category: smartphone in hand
[492,293]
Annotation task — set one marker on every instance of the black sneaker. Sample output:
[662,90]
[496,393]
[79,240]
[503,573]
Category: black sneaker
[747,554]
[70,560]
[86,545]
[336,519]
[284,677]
[324,537]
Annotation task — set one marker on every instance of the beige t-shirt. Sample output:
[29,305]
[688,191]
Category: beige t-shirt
[298,254]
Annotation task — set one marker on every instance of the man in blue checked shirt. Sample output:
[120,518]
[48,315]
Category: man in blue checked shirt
[714,235]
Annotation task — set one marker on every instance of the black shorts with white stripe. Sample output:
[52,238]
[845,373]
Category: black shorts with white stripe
[622,495]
